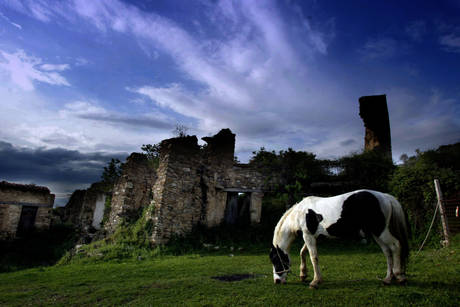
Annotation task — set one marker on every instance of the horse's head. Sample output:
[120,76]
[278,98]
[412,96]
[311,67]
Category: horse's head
[281,264]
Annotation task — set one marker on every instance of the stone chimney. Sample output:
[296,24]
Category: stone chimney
[374,112]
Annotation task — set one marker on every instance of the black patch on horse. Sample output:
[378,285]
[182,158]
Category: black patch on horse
[279,259]
[313,220]
[360,211]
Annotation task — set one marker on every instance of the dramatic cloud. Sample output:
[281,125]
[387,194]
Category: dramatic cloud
[62,169]
[24,70]
[85,110]
[278,73]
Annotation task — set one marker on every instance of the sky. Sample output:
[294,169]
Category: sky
[85,81]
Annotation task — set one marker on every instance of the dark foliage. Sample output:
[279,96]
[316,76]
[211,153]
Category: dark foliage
[412,183]
[39,248]
[111,172]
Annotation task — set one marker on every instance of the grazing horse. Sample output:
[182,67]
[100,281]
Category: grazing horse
[354,214]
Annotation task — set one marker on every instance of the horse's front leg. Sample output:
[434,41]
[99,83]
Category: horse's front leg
[310,241]
[303,262]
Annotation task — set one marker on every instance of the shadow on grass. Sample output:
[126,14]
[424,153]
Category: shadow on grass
[42,248]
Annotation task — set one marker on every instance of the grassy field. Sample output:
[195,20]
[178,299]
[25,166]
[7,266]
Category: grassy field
[351,277]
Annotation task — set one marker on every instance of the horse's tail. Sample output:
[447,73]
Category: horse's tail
[399,228]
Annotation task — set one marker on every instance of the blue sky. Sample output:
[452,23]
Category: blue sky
[83,81]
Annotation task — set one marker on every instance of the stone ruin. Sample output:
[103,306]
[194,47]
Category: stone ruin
[191,186]
[85,208]
[202,186]
[132,192]
[23,208]
[374,112]
[195,185]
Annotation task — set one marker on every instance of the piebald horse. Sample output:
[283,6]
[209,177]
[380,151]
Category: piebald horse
[354,214]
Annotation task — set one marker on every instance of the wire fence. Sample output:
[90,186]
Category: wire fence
[452,214]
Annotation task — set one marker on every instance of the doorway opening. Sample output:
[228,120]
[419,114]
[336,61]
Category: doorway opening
[27,220]
[237,208]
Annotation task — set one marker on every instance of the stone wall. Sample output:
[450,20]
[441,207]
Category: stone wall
[177,203]
[9,220]
[132,191]
[80,211]
[374,112]
[14,197]
[192,185]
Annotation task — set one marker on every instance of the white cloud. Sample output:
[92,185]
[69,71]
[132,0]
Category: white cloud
[56,67]
[24,70]
[251,70]
[416,30]
[379,48]
[10,22]
[450,42]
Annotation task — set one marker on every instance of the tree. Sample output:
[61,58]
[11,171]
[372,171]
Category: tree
[180,131]
[111,172]
[153,153]
[293,170]
[412,182]
[367,170]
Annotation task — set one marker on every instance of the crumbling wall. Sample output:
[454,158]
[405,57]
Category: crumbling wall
[177,203]
[132,191]
[218,159]
[189,187]
[81,209]
[192,185]
[73,207]
[13,197]
[374,112]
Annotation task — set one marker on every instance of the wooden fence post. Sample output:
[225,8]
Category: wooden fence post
[445,226]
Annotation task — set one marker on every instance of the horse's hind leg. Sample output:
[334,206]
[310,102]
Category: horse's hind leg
[387,252]
[310,242]
[303,262]
[395,248]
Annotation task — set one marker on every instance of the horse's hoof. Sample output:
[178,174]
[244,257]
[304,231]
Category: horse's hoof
[303,278]
[313,286]
[387,281]
[402,281]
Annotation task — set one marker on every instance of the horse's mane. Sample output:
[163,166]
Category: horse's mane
[281,221]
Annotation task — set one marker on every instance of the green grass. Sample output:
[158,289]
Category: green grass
[350,275]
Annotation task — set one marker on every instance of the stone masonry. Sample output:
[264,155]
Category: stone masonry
[85,208]
[132,191]
[177,203]
[23,208]
[193,185]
